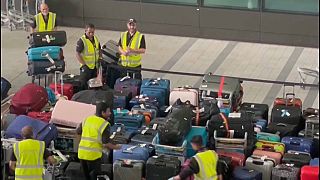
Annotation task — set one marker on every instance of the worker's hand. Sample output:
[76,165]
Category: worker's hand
[84,68]
[117,147]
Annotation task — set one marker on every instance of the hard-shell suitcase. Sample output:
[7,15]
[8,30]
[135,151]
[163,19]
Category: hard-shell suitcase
[141,99]
[311,125]
[92,96]
[41,130]
[75,80]
[45,67]
[48,38]
[62,88]
[195,131]
[145,135]
[129,84]
[309,173]
[30,97]
[119,111]
[74,171]
[271,146]
[162,167]
[71,113]
[131,152]
[283,171]
[261,125]
[158,88]
[263,165]
[314,162]
[268,137]
[287,115]
[121,99]
[130,120]
[110,52]
[5,87]
[185,94]
[298,159]
[298,144]
[245,173]
[288,99]
[260,110]
[282,129]
[40,53]
[238,159]
[128,169]
[273,155]
[231,144]
[67,141]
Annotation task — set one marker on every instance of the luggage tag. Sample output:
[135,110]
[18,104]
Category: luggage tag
[231,133]
[234,115]
[142,106]
[129,150]
[252,106]
[113,135]
[144,131]
[118,110]
[154,127]
[168,108]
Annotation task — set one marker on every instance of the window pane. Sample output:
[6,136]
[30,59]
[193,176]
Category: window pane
[178,2]
[305,6]
[241,4]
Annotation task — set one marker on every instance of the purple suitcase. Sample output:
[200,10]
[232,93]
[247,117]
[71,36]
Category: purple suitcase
[128,84]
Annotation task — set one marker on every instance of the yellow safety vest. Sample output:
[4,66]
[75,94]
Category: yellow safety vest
[207,162]
[132,60]
[29,154]
[90,146]
[41,24]
[90,54]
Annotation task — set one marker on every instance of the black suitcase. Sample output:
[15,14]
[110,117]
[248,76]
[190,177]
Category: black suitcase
[282,129]
[287,115]
[298,159]
[208,108]
[48,38]
[110,52]
[5,87]
[145,135]
[75,81]
[110,74]
[225,164]
[92,96]
[40,67]
[162,167]
[260,110]
[241,123]
[74,171]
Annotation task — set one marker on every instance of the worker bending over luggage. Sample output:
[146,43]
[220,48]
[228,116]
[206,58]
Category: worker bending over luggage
[27,157]
[44,21]
[95,135]
[131,45]
[204,165]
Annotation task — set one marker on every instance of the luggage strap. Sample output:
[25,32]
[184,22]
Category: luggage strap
[225,121]
[221,87]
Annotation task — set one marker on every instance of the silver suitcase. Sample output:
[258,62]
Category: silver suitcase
[127,169]
[263,165]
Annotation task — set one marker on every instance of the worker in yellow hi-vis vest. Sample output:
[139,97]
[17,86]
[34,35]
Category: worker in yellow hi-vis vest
[44,21]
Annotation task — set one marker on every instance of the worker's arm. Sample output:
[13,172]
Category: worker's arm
[33,26]
[106,140]
[142,47]
[79,49]
[12,165]
[192,168]
[112,146]
[123,52]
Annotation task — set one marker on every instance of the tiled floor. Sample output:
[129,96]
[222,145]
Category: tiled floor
[242,59]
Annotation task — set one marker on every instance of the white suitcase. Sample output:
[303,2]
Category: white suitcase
[185,94]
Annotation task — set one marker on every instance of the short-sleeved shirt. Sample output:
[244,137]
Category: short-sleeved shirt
[105,134]
[45,18]
[80,45]
[129,37]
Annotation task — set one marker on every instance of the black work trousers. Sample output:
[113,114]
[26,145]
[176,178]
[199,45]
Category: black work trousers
[85,75]
[91,168]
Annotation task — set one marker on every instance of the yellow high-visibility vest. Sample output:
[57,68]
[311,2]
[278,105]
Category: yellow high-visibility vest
[41,24]
[132,60]
[207,162]
[90,146]
[29,154]
[90,54]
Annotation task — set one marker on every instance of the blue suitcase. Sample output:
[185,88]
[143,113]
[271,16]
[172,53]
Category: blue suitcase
[119,111]
[314,162]
[196,130]
[121,99]
[268,137]
[157,88]
[261,124]
[5,87]
[38,54]
[132,152]
[130,120]
[140,109]
[243,173]
[298,144]
[137,100]
[41,130]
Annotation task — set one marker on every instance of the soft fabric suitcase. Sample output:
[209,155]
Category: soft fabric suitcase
[30,97]
[283,171]
[268,137]
[162,167]
[145,135]
[121,99]
[5,87]
[271,146]
[260,110]
[45,67]
[131,152]
[75,80]
[207,109]
[92,96]
[74,171]
[48,38]
[41,130]
[149,111]
[118,111]
[71,113]
[128,169]
[314,162]
[6,120]
[130,120]
[121,134]
[261,125]
[309,173]
[224,163]
[196,130]
[110,52]
[185,94]
[244,173]
[282,129]
[288,99]
[298,159]
[263,165]
[43,116]
[158,88]
[238,159]
[141,99]
[128,84]
[242,122]
[287,115]
[273,155]
[298,144]
[40,53]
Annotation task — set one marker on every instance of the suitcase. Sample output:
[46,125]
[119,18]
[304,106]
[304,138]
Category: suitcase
[74,171]
[268,137]
[128,84]
[121,99]
[155,123]
[196,130]
[128,169]
[283,171]
[260,125]
[131,152]
[149,111]
[61,87]
[121,134]
[263,165]
[67,141]
[110,52]
[48,38]
[5,87]
[71,113]
[40,53]
[273,155]
[311,111]
[162,167]
[185,94]
[207,109]
[298,159]
[238,159]
[311,125]
[287,101]
[314,162]
[282,129]
[260,110]
[224,163]
[309,173]
[120,112]
[132,121]
[45,67]
[298,144]
[41,130]
[6,120]
[137,100]
[231,144]
[92,96]
[288,115]
[157,88]
[74,80]
[43,116]
[145,135]
[30,97]
[242,122]
[244,173]
[271,146]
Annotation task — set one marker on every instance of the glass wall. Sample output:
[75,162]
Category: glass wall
[295,6]
[235,4]
[176,2]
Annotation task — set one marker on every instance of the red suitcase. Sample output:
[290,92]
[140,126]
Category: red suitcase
[285,100]
[30,97]
[238,159]
[43,116]
[310,173]
[61,88]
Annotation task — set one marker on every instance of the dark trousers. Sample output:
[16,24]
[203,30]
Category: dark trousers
[85,75]
[136,74]
[91,168]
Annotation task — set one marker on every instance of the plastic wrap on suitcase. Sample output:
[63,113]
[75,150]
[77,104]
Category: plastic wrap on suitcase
[48,38]
[298,159]
[130,120]
[74,171]
[271,146]
[298,144]
[309,173]
[145,135]
[245,173]
[238,159]
[282,129]
[5,87]
[92,96]
[158,88]
[283,171]
[273,155]
[263,165]
[67,140]
[40,53]
[131,152]
[287,115]
[41,130]
[178,150]
[45,67]
[260,110]
[268,137]
[128,169]
[162,167]
[128,84]
[314,162]
[196,130]
[185,94]
[121,99]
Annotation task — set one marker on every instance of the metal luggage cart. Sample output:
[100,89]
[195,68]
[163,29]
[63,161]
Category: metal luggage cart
[19,12]
[307,72]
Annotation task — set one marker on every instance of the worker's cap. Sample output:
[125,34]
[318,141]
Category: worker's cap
[132,20]
[197,140]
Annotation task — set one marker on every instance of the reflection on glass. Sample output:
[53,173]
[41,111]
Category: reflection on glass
[305,6]
[177,2]
[241,4]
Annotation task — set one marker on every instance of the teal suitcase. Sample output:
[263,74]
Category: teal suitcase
[268,137]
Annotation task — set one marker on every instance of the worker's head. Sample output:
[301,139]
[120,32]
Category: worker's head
[44,9]
[89,30]
[132,25]
[27,132]
[196,142]
[103,109]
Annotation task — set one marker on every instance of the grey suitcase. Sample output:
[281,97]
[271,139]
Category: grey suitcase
[264,166]
[128,169]
[283,171]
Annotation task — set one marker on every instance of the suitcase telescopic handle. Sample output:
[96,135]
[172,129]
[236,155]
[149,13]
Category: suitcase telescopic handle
[284,91]
[56,73]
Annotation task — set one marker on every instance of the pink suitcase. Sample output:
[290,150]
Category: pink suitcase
[273,155]
[71,113]
[184,94]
